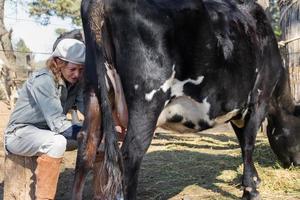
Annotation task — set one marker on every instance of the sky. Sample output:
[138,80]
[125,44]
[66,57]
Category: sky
[38,38]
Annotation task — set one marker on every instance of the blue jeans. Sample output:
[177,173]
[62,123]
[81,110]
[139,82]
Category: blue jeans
[32,141]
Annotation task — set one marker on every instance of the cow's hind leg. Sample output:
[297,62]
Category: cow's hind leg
[138,138]
[247,137]
[88,141]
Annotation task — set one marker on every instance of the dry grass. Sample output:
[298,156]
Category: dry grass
[208,165]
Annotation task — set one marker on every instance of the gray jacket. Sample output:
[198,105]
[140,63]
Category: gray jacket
[44,103]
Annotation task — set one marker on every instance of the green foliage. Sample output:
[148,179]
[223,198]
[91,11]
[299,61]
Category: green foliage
[62,8]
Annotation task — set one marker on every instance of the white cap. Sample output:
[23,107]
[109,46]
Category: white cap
[70,50]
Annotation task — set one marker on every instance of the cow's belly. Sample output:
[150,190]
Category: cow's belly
[185,114]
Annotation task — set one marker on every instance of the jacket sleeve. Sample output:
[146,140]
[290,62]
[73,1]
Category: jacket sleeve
[44,93]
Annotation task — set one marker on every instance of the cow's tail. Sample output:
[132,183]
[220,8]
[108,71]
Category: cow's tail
[95,66]
[113,160]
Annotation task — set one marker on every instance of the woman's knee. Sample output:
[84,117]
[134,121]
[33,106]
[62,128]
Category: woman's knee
[58,148]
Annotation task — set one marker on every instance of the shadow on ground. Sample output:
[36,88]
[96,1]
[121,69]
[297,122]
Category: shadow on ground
[165,174]
[64,191]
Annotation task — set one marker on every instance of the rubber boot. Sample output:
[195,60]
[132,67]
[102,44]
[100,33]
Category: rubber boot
[47,173]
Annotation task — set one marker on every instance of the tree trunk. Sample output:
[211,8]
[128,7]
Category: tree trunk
[6,49]
[19,178]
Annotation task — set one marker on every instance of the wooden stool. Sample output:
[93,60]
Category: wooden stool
[19,178]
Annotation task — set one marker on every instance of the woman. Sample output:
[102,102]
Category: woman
[38,124]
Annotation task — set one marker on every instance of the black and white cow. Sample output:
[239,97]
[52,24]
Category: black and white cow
[203,62]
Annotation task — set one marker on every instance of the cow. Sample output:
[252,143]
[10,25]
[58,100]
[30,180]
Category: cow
[194,63]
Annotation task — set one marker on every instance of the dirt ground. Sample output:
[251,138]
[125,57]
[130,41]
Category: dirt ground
[189,166]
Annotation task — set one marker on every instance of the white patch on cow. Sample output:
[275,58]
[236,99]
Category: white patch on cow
[189,109]
[203,109]
[149,96]
[255,179]
[164,87]
[224,118]
[175,85]
[249,189]
[136,86]
[169,82]
[259,91]
[177,88]
[256,70]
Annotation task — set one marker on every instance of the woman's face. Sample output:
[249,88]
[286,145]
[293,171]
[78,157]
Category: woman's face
[72,72]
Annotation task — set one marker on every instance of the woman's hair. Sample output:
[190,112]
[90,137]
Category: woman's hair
[52,64]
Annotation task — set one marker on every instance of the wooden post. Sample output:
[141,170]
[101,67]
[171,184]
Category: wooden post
[19,178]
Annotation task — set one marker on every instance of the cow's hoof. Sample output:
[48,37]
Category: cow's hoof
[250,194]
